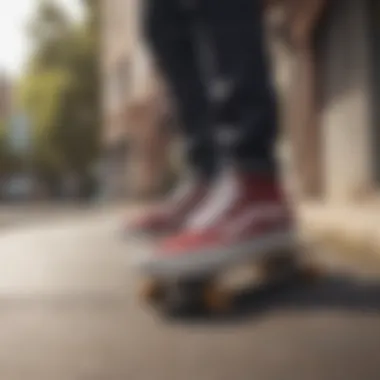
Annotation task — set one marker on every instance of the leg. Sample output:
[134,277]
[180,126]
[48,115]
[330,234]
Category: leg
[246,119]
[246,214]
[247,217]
[169,30]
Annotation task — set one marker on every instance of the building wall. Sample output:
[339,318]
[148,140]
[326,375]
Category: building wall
[133,107]
[117,49]
[115,76]
[346,123]
[344,105]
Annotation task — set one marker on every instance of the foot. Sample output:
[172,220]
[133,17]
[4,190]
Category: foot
[243,217]
[169,216]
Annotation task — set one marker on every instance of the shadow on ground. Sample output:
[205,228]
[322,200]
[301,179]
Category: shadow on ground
[339,293]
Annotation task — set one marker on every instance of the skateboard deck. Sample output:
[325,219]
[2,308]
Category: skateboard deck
[210,292]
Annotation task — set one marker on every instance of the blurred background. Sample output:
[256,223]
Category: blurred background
[80,117]
[88,136]
[85,116]
[50,101]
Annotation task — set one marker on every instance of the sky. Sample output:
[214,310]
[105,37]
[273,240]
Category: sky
[14,14]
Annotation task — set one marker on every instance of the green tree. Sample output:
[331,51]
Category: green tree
[3,148]
[8,161]
[42,94]
[61,89]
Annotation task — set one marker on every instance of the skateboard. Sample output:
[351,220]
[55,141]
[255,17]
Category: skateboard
[208,292]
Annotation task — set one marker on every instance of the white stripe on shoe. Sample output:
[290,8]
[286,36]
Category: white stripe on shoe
[209,260]
[224,193]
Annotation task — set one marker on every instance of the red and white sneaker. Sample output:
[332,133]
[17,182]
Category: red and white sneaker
[243,217]
[169,216]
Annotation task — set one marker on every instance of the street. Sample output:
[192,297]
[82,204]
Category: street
[68,311]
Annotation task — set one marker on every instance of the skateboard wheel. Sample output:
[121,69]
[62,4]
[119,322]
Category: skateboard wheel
[280,266]
[151,291]
[311,272]
[180,299]
[216,299]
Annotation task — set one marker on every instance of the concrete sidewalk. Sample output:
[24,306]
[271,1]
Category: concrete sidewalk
[20,214]
[70,311]
[351,228]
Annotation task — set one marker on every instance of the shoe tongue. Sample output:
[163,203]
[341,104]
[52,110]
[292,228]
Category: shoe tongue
[222,196]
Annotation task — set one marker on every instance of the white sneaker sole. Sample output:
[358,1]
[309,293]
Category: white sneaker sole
[208,261]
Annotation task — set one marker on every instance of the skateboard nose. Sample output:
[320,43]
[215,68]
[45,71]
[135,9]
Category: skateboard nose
[187,243]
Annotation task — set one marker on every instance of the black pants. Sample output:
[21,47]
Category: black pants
[213,57]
